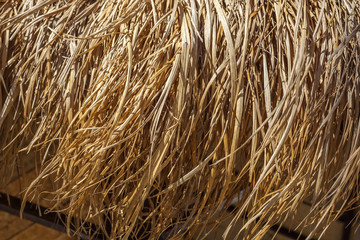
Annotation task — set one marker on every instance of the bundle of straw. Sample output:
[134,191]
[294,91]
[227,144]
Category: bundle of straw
[152,116]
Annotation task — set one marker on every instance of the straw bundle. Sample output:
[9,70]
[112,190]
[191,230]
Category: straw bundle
[153,116]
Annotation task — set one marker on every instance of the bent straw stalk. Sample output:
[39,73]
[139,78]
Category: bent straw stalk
[152,116]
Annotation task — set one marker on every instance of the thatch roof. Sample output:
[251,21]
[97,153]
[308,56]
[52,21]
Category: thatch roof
[154,115]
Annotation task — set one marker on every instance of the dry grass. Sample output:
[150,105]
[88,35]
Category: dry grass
[151,114]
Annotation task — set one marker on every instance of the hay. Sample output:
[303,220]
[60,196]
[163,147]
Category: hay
[155,115]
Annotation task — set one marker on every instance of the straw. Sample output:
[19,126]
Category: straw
[152,116]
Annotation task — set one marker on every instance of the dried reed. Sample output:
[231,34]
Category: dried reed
[154,115]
